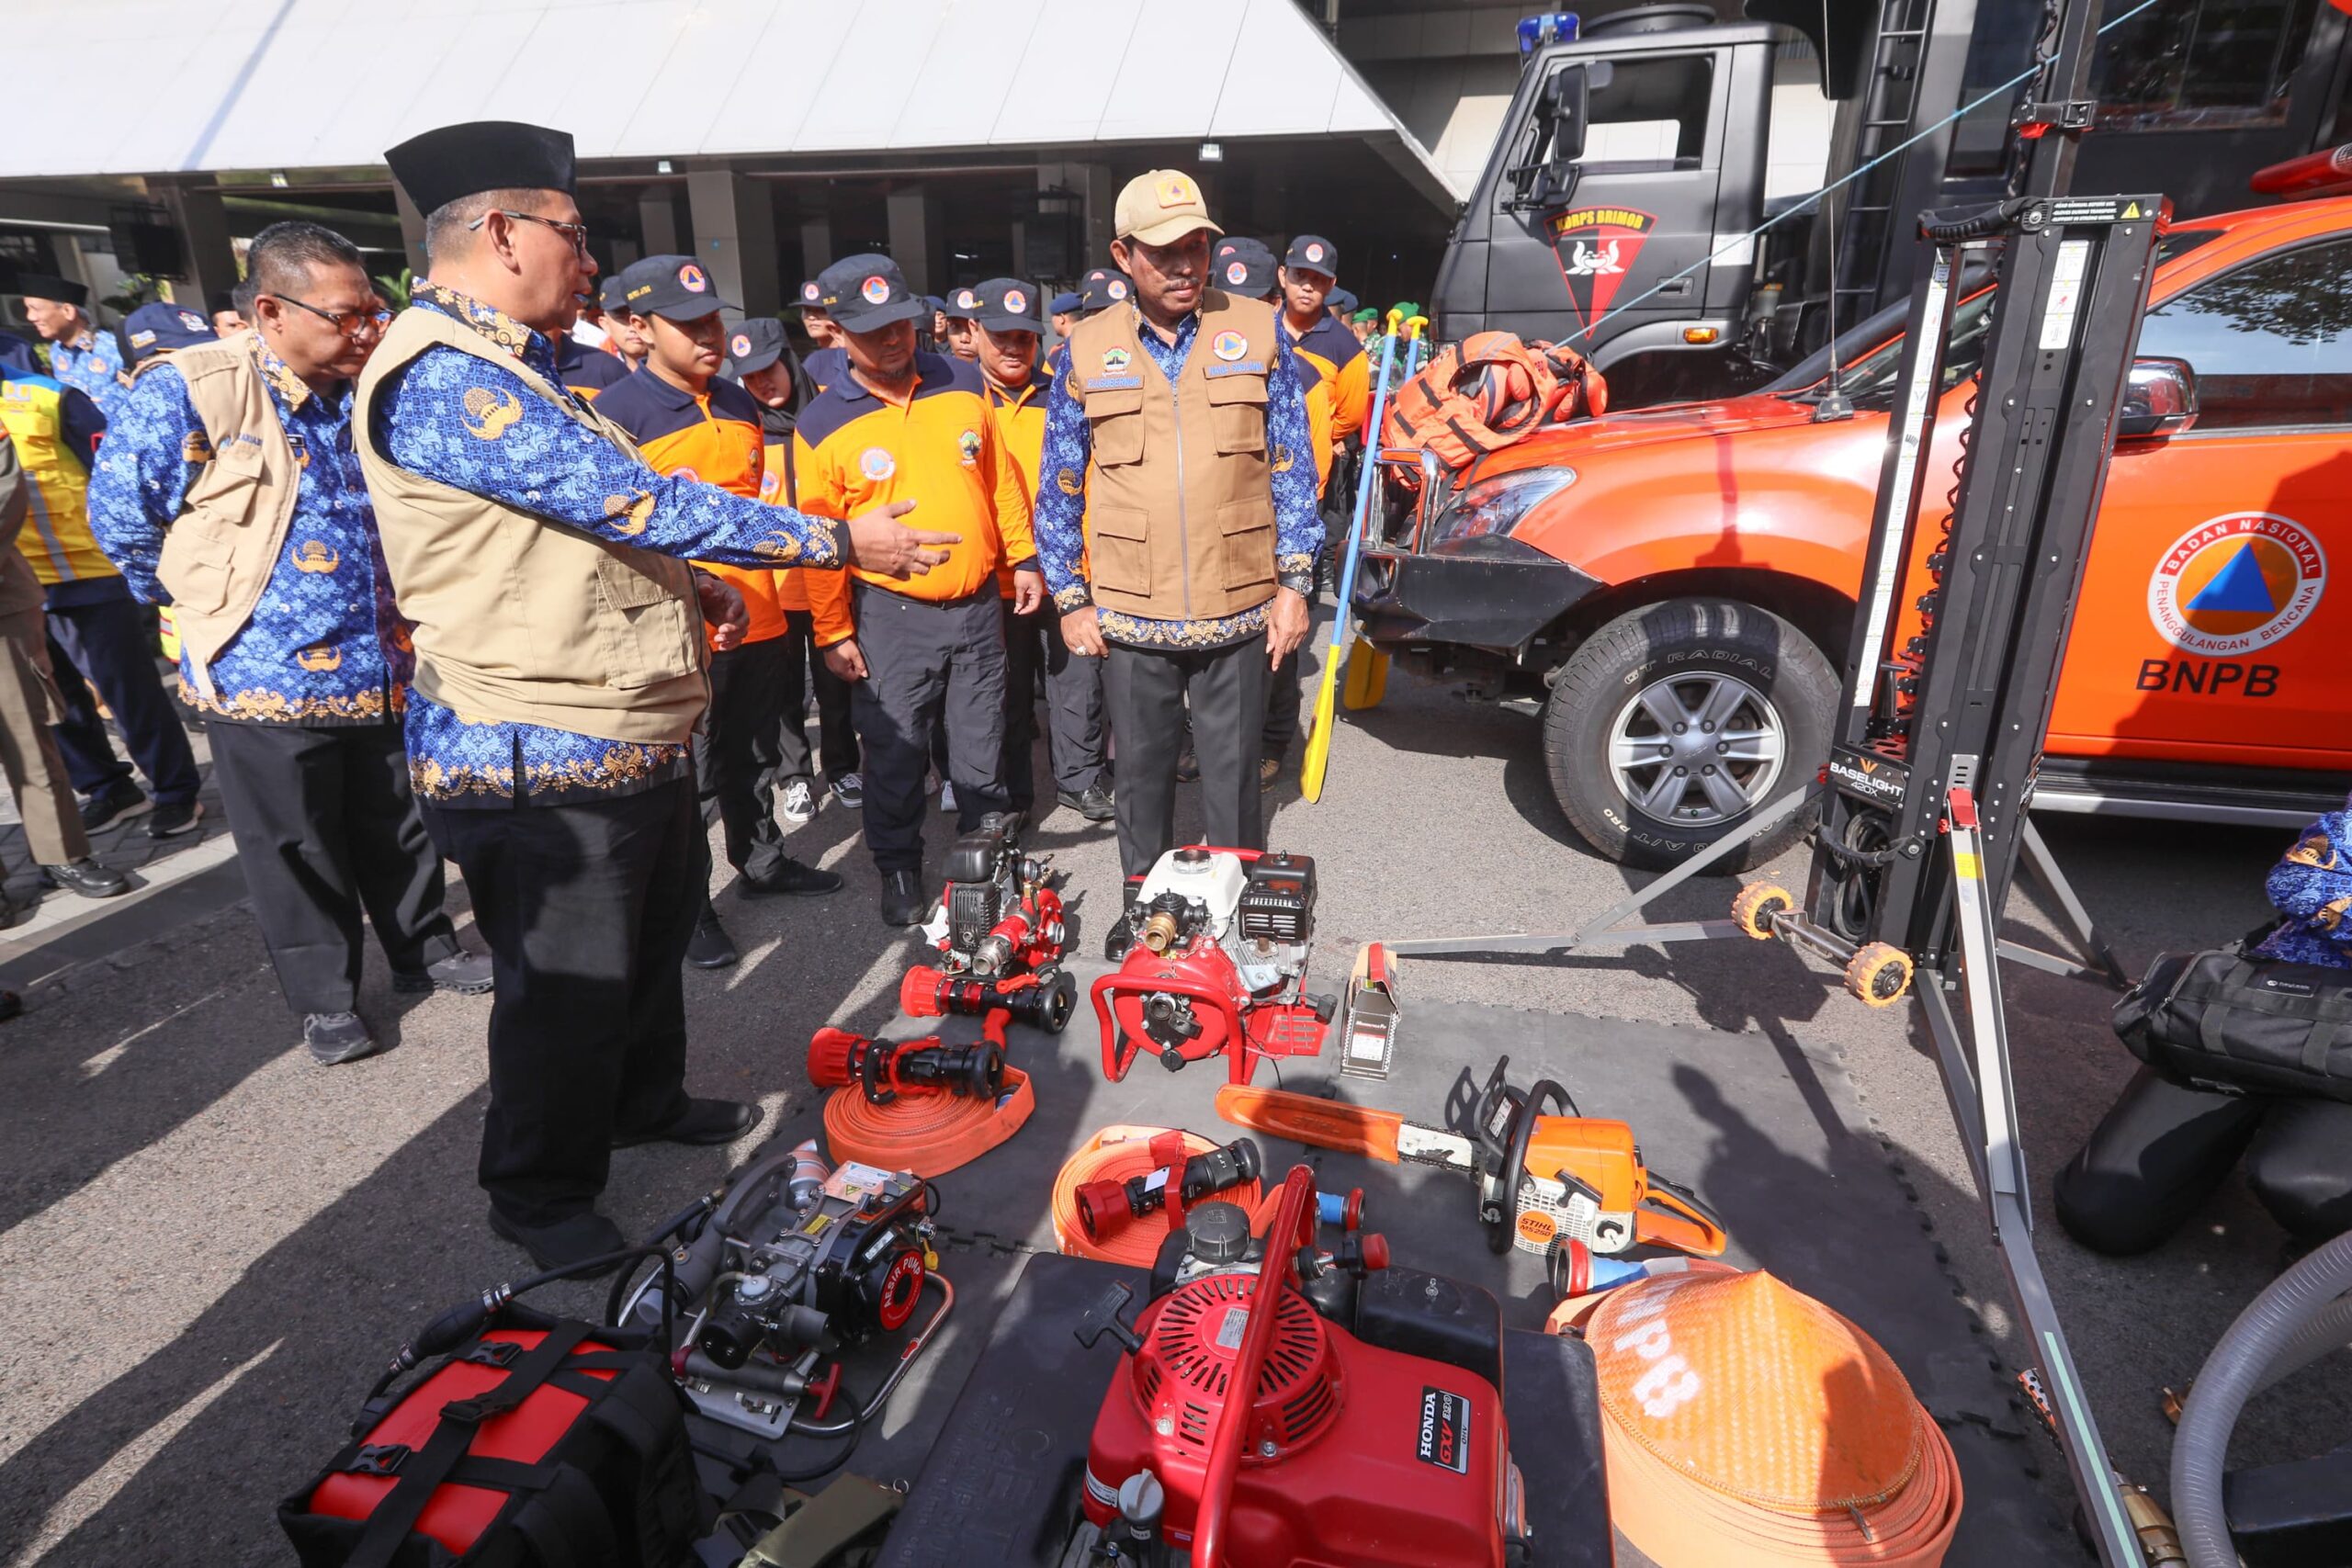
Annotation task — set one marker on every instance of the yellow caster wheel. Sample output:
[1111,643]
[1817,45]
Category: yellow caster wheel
[1879,973]
[1753,909]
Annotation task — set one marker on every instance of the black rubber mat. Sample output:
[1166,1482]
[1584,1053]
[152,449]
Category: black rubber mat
[1767,1132]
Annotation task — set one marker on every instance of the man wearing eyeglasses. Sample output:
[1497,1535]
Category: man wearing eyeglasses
[230,489]
[560,672]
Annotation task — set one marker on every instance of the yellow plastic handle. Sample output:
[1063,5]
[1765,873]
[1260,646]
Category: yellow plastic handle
[1394,320]
[1413,328]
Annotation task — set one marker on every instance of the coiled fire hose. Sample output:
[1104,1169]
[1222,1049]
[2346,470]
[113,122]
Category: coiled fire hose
[1116,1154]
[2303,1315]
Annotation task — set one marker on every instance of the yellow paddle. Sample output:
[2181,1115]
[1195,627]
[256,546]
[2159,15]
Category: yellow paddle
[1318,735]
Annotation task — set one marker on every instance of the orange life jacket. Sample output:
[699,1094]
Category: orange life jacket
[1487,392]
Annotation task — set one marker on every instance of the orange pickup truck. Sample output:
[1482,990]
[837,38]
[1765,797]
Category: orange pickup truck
[1669,586]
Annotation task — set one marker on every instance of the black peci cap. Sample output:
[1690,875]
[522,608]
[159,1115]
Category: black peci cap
[756,343]
[1314,253]
[674,286]
[47,285]
[1008,305]
[868,292]
[459,161]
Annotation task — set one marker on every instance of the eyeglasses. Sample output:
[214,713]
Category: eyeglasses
[575,233]
[349,323]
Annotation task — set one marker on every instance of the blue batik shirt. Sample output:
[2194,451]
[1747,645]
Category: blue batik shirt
[95,369]
[326,645]
[1060,516]
[2311,886]
[551,466]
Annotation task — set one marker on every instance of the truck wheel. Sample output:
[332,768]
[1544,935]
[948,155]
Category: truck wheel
[1672,723]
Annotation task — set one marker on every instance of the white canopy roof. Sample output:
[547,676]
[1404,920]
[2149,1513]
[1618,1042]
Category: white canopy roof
[306,84]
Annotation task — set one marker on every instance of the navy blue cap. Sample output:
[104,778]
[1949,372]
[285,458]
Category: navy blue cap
[962,304]
[1064,303]
[756,343]
[1103,287]
[868,291]
[1006,305]
[1339,300]
[612,297]
[674,286]
[935,302]
[811,296]
[1315,252]
[1247,269]
[151,329]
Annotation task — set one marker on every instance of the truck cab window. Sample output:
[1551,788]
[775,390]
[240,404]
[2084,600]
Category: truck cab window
[2271,341]
[2202,64]
[1650,113]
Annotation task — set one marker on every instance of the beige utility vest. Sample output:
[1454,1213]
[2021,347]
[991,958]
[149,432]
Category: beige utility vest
[518,619]
[1180,509]
[218,553]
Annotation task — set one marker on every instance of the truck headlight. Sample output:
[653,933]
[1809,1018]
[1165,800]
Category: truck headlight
[1492,507]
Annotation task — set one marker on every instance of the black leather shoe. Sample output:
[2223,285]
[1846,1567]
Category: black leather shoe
[1188,766]
[1095,803]
[468,974]
[565,1242]
[904,902]
[703,1122]
[792,880]
[335,1038]
[711,947]
[87,877]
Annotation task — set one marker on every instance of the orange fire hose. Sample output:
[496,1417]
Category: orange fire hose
[1744,1422]
[1116,1154]
[930,1135]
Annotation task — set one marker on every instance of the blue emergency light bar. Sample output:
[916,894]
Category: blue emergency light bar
[1552,27]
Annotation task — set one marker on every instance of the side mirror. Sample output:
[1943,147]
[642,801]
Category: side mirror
[1571,93]
[2159,400]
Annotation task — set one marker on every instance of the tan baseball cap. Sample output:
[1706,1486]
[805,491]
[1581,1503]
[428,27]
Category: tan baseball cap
[1161,207]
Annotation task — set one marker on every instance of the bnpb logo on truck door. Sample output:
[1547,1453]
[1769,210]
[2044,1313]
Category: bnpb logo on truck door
[2237,584]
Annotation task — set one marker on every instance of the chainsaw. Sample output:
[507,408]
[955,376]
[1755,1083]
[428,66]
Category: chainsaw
[1540,1177]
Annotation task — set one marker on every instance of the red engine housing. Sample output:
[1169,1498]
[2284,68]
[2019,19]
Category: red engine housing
[1230,1019]
[1352,1454]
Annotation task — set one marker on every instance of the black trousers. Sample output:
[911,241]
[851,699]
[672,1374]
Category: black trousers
[325,829]
[803,668]
[928,666]
[106,643]
[1283,701]
[587,909]
[1034,655]
[739,754]
[1144,691]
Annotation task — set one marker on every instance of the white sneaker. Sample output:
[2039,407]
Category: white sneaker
[946,796]
[800,802]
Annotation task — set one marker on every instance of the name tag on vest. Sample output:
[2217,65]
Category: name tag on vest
[1113,383]
[1246,367]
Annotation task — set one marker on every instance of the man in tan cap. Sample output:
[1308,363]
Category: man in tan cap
[1176,519]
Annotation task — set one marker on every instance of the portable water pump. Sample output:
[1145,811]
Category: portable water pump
[1218,963]
[1356,1419]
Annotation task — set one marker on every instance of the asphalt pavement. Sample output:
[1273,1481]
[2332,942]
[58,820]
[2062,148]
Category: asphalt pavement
[209,1245]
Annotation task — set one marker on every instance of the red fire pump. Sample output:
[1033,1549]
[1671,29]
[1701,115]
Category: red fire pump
[1218,963]
[1343,1450]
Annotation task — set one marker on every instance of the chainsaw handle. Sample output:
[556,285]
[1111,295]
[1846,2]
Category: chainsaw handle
[1501,1230]
[1671,1216]
[1293,1210]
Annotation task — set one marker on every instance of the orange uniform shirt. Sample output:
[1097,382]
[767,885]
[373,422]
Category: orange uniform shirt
[714,435]
[796,587]
[942,449]
[1021,423]
[1333,350]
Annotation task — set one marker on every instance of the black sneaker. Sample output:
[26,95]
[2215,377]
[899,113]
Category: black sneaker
[1188,766]
[711,947]
[702,1123]
[87,877]
[792,880]
[567,1242]
[850,790]
[119,799]
[468,974]
[335,1038]
[1095,803]
[171,821]
[904,903]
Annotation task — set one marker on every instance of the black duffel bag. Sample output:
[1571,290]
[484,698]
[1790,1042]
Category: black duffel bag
[2224,1020]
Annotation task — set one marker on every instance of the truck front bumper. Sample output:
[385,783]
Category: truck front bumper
[1499,599]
